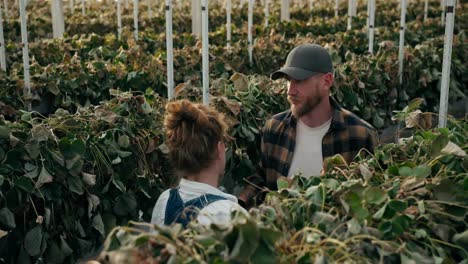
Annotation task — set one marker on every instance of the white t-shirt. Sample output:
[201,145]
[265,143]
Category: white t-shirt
[308,159]
[218,212]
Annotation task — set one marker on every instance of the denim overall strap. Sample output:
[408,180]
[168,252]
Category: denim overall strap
[182,213]
[174,206]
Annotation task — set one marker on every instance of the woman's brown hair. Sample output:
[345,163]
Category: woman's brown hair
[192,134]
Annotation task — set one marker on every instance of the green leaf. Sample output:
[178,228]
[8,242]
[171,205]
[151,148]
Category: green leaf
[263,254]
[314,194]
[33,149]
[40,133]
[246,242]
[124,154]
[23,257]
[5,132]
[124,141]
[354,226]
[125,204]
[439,143]
[461,238]
[331,184]
[7,219]
[44,177]
[33,240]
[25,184]
[420,233]
[422,171]
[282,184]
[75,184]
[119,185]
[397,206]
[375,195]
[58,252]
[98,224]
[405,171]
[380,213]
[70,149]
[360,213]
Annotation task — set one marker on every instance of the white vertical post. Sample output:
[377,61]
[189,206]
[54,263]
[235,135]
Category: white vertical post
[119,19]
[170,60]
[285,10]
[71,5]
[24,39]
[425,9]
[228,22]
[196,18]
[135,19]
[150,10]
[5,7]
[445,84]
[249,28]
[58,25]
[337,2]
[401,51]
[311,5]
[371,26]
[206,76]
[267,11]
[83,7]
[350,3]
[442,17]
[2,44]
[368,16]
[126,4]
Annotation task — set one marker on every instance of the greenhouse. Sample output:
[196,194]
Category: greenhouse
[233,131]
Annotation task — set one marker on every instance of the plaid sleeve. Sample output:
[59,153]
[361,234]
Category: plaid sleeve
[250,190]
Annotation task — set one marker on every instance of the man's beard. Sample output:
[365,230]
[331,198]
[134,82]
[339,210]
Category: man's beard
[307,107]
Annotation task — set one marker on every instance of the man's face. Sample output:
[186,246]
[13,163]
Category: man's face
[304,96]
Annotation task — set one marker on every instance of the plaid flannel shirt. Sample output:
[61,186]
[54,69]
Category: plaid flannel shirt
[347,135]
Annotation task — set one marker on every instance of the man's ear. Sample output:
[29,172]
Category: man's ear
[221,149]
[328,79]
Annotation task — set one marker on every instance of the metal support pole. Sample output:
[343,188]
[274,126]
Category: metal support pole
[24,39]
[249,28]
[401,51]
[135,19]
[119,19]
[371,26]
[445,84]
[228,22]
[285,16]
[336,7]
[170,60]
[2,44]
[426,3]
[206,76]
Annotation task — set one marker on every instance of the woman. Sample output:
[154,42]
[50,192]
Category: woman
[195,137]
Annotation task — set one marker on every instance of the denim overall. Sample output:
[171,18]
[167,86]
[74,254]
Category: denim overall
[179,212]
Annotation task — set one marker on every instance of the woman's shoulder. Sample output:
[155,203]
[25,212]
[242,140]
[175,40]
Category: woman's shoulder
[223,206]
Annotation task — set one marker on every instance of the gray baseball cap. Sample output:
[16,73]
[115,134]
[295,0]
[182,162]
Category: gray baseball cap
[305,61]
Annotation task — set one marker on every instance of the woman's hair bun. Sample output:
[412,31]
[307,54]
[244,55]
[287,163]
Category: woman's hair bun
[183,112]
[192,133]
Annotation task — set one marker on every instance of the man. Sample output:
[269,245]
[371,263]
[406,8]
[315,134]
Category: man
[316,127]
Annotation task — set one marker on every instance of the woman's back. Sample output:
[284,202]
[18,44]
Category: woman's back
[218,212]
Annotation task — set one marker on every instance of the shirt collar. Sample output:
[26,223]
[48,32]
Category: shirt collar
[337,123]
[203,188]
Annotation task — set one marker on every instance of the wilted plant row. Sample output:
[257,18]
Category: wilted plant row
[406,203]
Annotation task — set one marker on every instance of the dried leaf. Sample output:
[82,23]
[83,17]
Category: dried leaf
[453,149]
[241,82]
[89,179]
